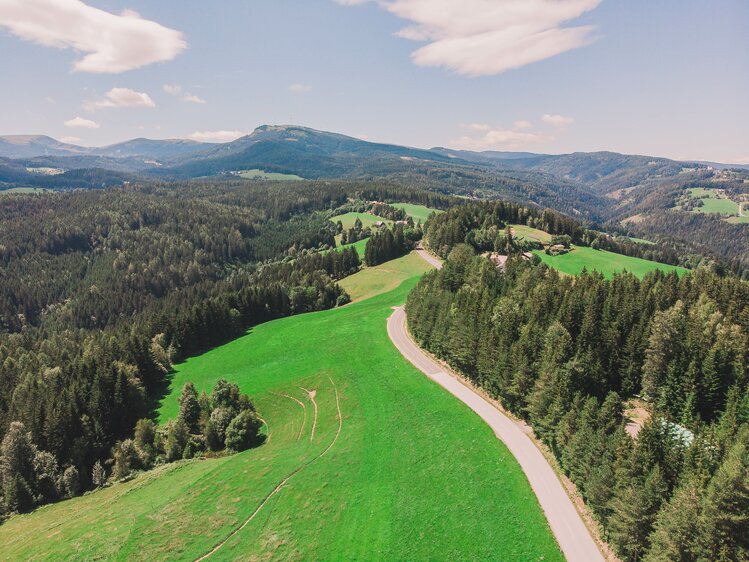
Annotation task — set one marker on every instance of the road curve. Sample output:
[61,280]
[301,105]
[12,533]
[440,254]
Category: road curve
[429,258]
[573,537]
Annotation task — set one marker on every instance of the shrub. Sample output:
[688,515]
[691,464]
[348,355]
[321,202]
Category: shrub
[243,431]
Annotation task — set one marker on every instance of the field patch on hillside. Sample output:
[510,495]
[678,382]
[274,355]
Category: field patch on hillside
[256,174]
[419,213]
[713,201]
[522,231]
[607,263]
[367,220]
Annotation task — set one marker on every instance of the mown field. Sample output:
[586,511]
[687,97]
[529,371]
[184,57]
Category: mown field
[712,202]
[522,231]
[24,190]
[348,219]
[419,213]
[256,174]
[602,261]
[404,471]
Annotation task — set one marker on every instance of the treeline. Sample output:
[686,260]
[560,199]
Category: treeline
[224,421]
[388,244]
[567,354]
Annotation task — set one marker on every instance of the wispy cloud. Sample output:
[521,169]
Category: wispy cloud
[111,43]
[522,135]
[558,121]
[122,97]
[81,123]
[485,37]
[216,136]
[300,88]
[192,98]
[176,90]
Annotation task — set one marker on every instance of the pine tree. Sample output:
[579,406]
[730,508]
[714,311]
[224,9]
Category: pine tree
[189,408]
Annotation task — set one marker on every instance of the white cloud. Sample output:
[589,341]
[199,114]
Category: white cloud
[559,121]
[80,122]
[498,138]
[110,43]
[300,88]
[70,139]
[122,97]
[485,37]
[176,90]
[193,98]
[216,136]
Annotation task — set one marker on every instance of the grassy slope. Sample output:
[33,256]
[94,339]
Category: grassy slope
[417,212]
[348,219]
[607,263]
[523,231]
[23,190]
[256,174]
[712,203]
[414,475]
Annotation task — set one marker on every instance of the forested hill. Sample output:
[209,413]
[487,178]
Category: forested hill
[576,356]
[642,196]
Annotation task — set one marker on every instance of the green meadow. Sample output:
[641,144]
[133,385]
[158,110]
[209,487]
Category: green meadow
[607,263]
[522,231]
[713,202]
[348,219]
[24,190]
[419,213]
[394,469]
[261,175]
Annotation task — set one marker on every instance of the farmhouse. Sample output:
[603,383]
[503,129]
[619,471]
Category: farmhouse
[379,224]
[497,259]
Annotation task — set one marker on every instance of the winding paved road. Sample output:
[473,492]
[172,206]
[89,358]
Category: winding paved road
[571,533]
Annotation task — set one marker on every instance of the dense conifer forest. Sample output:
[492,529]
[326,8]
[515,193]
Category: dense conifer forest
[572,355]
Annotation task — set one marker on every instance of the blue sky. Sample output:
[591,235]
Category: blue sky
[667,78]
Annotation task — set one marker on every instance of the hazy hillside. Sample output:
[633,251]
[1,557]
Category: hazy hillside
[27,146]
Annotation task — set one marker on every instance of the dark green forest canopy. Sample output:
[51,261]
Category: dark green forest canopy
[565,353]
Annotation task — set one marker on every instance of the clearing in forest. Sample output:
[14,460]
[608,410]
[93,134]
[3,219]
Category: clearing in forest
[603,261]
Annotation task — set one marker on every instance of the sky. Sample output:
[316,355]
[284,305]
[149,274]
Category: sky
[667,78]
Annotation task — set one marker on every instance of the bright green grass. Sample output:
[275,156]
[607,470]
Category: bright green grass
[371,281]
[533,233]
[348,219]
[414,474]
[713,203]
[416,212]
[261,175]
[23,190]
[605,262]
[360,246]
